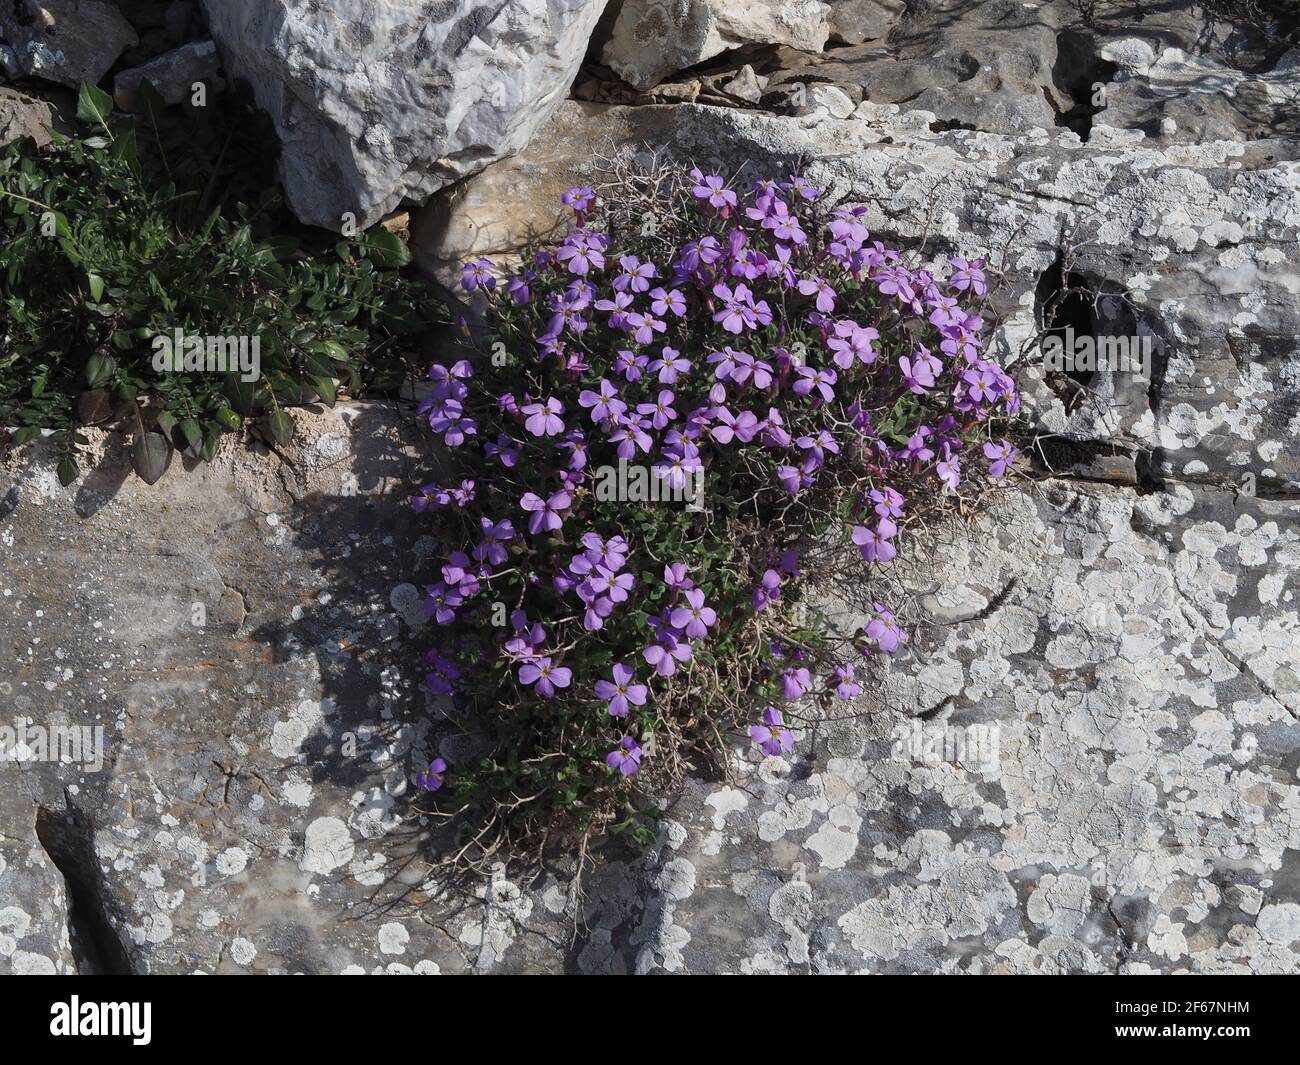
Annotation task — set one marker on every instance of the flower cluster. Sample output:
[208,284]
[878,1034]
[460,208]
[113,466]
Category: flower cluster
[780,356]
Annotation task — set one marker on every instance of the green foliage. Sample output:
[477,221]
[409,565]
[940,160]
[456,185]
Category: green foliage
[142,226]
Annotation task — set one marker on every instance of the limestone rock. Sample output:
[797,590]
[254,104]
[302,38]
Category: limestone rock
[174,74]
[652,39]
[66,41]
[387,100]
[24,116]
[858,21]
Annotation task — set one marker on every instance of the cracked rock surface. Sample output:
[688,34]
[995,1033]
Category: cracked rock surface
[377,101]
[1121,633]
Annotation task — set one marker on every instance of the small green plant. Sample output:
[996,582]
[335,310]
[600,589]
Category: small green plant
[151,279]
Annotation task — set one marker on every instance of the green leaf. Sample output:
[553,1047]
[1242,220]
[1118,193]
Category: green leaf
[191,431]
[151,454]
[99,368]
[228,419]
[241,394]
[385,248]
[67,471]
[149,101]
[94,105]
[96,285]
[326,389]
[280,426]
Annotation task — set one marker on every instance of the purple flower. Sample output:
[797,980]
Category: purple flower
[1000,455]
[968,276]
[545,512]
[670,367]
[442,671]
[626,757]
[603,403]
[660,412]
[949,471]
[821,288]
[873,545]
[630,365]
[768,589]
[883,630]
[739,311]
[544,418]
[822,380]
[621,691]
[581,253]
[547,677]
[676,577]
[694,618]
[772,737]
[848,686]
[495,535]
[713,190]
[795,681]
[663,302]
[580,198]
[665,656]
[440,602]
[636,274]
[888,503]
[505,450]
[431,778]
[477,274]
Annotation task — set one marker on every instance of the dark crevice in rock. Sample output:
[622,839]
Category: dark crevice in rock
[67,836]
[1066,307]
[945,125]
[1077,72]
[1096,461]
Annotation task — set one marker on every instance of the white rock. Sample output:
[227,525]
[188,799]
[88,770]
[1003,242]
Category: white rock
[1130,53]
[654,38]
[380,100]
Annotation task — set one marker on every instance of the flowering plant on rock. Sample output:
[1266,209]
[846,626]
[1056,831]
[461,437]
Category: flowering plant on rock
[780,381]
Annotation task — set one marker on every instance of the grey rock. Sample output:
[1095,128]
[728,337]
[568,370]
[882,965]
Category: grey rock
[859,21]
[385,101]
[745,85]
[652,39]
[1124,660]
[1194,98]
[66,41]
[174,74]
[24,116]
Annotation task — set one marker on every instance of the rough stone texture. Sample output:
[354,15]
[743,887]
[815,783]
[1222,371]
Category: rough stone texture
[858,21]
[1192,98]
[174,74]
[24,116]
[652,39]
[378,101]
[34,902]
[987,65]
[1136,653]
[1143,814]
[1131,627]
[66,41]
